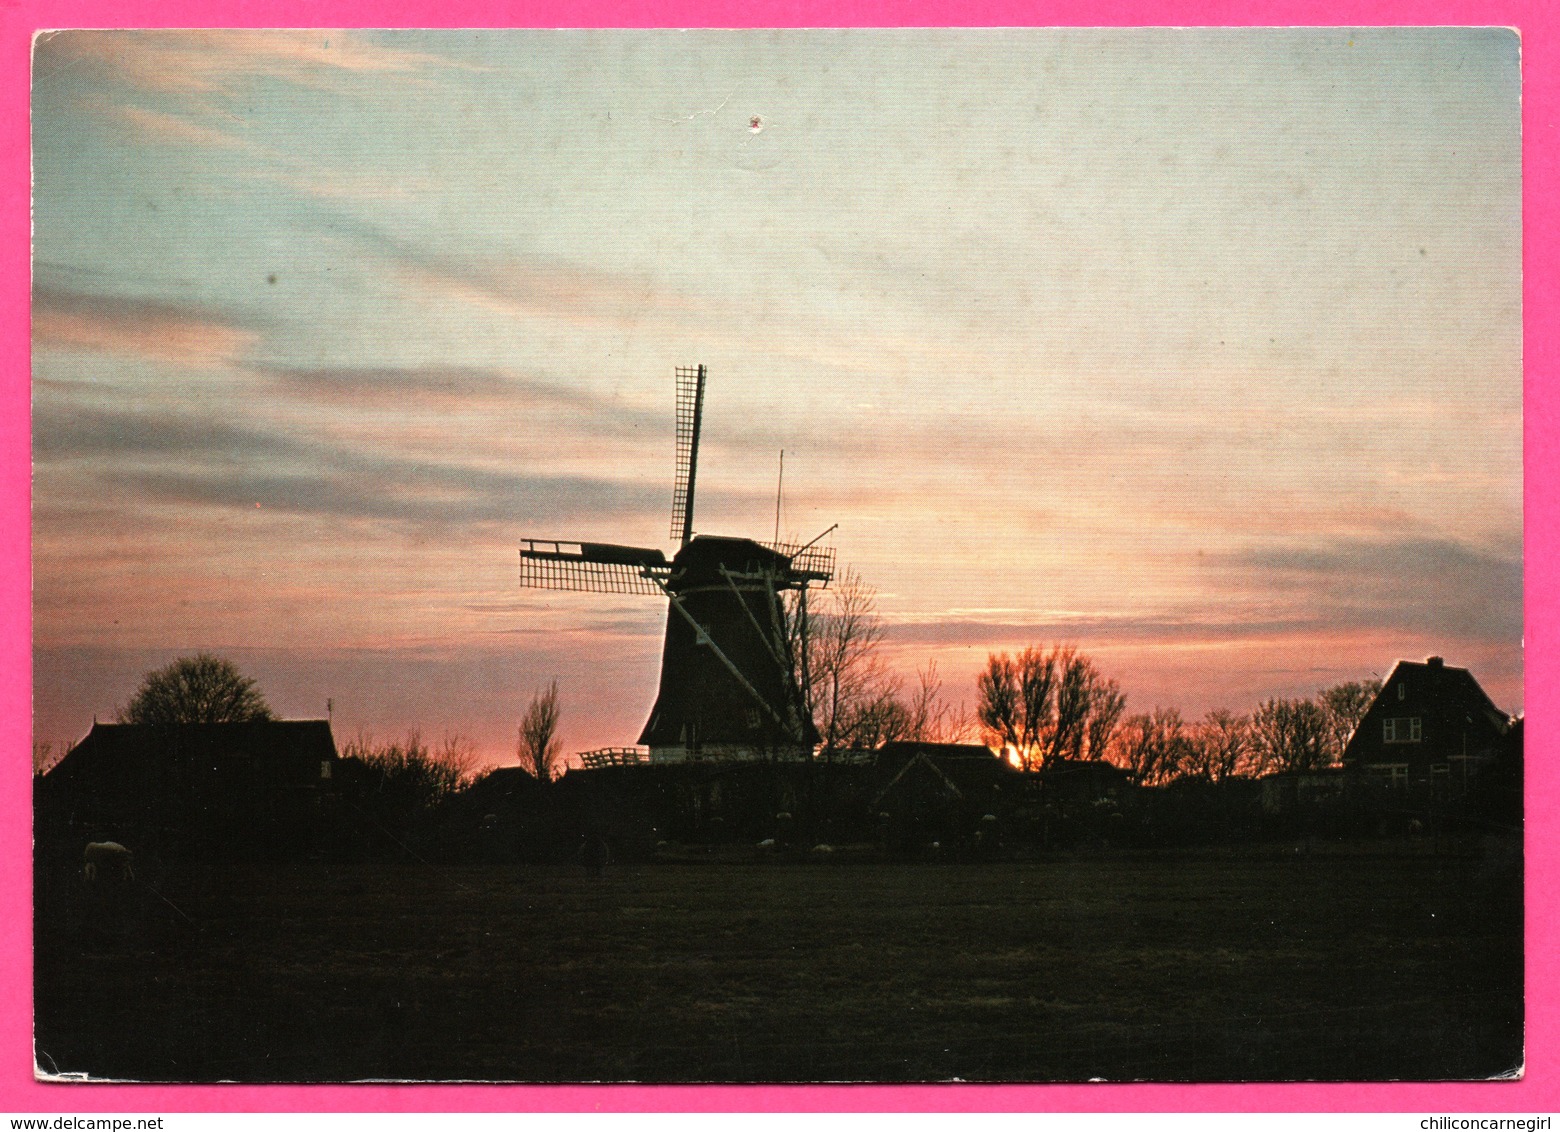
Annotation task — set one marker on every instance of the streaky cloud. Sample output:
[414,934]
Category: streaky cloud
[207,62]
[172,129]
[1414,555]
[422,495]
[1089,630]
[1434,585]
[182,333]
[516,281]
[457,386]
[182,458]
[347,384]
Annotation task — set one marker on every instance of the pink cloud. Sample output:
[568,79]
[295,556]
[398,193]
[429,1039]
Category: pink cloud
[540,287]
[170,129]
[185,336]
[219,62]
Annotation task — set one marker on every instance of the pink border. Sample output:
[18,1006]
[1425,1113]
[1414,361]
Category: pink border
[1540,29]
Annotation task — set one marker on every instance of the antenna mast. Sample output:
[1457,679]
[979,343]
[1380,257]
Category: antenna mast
[779,487]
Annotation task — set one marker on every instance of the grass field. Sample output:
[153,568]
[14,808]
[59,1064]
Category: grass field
[1262,966]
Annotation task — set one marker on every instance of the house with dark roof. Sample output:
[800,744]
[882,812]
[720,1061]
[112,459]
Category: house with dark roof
[266,784]
[1077,783]
[1430,726]
[949,793]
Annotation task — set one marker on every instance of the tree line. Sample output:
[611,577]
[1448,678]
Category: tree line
[1044,704]
[1301,734]
[1037,706]
[1048,704]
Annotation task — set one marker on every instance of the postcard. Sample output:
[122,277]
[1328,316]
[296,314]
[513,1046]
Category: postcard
[899,555]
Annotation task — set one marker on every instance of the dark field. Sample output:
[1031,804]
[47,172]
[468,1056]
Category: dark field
[1259,967]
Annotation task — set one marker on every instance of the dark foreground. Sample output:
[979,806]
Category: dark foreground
[1267,966]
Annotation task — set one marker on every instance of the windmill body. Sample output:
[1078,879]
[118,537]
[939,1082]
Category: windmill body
[728,591]
[728,687]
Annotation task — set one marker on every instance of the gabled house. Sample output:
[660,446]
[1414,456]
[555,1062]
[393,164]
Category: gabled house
[257,786]
[942,792]
[1430,725]
[1078,783]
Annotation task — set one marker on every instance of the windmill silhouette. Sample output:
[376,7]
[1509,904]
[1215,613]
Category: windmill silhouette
[729,686]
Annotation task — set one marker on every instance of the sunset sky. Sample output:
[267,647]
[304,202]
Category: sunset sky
[1199,350]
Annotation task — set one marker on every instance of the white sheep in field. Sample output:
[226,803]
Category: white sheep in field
[108,861]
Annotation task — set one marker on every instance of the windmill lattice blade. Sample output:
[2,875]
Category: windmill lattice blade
[690,413]
[592,567]
[812,563]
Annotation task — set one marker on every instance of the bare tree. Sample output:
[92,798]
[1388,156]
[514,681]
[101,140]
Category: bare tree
[1037,672]
[540,749]
[1017,702]
[459,755]
[1075,683]
[1343,706]
[1289,735]
[959,725]
[1104,716]
[1001,706]
[395,788]
[926,709]
[882,719]
[196,689]
[855,700]
[1048,705]
[931,718]
[1152,747]
[846,678]
[420,775]
[1224,742]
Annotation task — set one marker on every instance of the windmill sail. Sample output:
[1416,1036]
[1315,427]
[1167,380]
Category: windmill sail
[592,567]
[690,416]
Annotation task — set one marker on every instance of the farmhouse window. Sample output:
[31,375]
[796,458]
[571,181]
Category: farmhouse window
[1402,691]
[1408,730]
[1394,774]
[1467,764]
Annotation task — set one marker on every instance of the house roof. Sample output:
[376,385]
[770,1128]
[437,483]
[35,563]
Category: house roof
[1448,684]
[908,749]
[1453,676]
[1450,692]
[503,783]
[959,770]
[133,745]
[1061,768]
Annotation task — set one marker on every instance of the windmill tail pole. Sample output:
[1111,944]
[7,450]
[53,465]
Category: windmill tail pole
[815,538]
